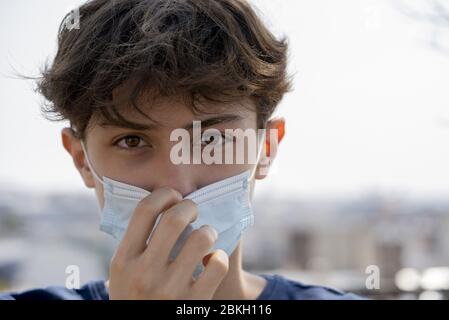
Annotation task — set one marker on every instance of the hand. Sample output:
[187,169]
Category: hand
[141,271]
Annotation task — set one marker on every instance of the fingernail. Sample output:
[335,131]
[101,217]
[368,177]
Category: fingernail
[206,259]
[211,229]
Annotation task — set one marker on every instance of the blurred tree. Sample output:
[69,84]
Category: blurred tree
[433,12]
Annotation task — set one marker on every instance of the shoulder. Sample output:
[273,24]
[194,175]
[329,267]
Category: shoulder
[93,290]
[279,287]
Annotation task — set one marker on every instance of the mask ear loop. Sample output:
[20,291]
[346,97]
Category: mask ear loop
[90,164]
[91,169]
[249,221]
[261,137]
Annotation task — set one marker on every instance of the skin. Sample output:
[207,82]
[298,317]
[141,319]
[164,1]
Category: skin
[145,162]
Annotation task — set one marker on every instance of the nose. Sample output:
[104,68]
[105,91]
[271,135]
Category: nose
[180,177]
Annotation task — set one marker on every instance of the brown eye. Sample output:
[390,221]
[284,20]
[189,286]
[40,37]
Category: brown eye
[211,138]
[130,142]
[215,138]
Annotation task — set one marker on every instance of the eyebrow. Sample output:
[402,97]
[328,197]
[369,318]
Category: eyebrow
[128,125]
[215,120]
[204,123]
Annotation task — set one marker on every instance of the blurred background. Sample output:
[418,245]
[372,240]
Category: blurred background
[361,181]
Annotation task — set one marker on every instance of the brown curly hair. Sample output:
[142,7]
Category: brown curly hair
[215,49]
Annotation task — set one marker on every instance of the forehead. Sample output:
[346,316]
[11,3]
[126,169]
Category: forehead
[174,111]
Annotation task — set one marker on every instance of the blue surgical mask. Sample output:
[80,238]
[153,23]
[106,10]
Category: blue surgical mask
[224,205]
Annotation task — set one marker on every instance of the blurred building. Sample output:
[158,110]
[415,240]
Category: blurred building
[323,241]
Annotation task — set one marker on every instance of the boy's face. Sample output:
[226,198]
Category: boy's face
[142,157]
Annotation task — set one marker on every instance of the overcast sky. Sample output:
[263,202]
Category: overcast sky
[370,110]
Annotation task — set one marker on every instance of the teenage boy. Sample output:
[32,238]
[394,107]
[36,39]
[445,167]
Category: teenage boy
[133,73]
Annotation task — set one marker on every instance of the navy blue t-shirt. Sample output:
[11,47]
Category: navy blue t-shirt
[277,288]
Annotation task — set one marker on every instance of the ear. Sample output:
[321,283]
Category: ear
[274,134]
[73,146]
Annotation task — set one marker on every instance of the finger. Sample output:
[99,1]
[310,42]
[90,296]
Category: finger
[144,217]
[173,222]
[196,247]
[213,274]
